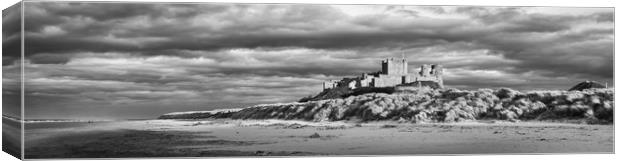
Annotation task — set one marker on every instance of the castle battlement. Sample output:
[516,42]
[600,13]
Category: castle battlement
[393,72]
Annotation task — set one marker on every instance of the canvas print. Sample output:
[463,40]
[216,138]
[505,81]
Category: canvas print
[129,79]
[11,83]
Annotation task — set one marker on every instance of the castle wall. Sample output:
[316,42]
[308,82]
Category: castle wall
[387,80]
[365,82]
[393,72]
[329,85]
[352,85]
[407,79]
[385,66]
[425,70]
[437,72]
[429,78]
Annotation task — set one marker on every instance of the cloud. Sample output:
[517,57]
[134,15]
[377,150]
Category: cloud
[147,55]
[11,35]
[113,75]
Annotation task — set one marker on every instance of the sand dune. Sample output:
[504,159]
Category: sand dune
[427,105]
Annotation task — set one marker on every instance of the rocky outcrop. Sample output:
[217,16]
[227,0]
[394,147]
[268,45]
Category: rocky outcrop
[443,105]
[586,85]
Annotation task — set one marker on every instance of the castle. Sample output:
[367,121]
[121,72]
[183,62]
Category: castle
[393,72]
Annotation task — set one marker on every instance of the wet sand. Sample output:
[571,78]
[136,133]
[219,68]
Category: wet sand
[210,138]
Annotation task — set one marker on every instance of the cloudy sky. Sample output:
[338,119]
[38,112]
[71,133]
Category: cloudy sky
[113,60]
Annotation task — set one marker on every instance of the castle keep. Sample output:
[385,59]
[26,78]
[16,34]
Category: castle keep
[393,72]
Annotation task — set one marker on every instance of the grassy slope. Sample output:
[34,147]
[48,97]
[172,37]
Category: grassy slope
[444,105]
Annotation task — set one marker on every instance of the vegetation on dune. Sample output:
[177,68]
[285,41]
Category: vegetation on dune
[443,105]
[338,92]
[344,92]
[587,85]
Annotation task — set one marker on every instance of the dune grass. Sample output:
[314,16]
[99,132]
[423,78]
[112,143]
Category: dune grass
[441,105]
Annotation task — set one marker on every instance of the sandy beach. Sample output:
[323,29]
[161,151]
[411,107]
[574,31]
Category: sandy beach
[222,137]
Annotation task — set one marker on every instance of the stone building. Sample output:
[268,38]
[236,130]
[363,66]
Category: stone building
[393,72]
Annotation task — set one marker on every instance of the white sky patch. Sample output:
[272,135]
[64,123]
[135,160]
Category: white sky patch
[53,31]
[458,73]
[134,41]
[165,65]
[358,10]
[480,57]
[565,10]
[71,83]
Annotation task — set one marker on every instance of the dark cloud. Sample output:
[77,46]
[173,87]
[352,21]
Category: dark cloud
[151,55]
[11,35]
[11,47]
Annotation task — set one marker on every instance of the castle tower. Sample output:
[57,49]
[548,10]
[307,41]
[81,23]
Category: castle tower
[425,70]
[437,71]
[393,66]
